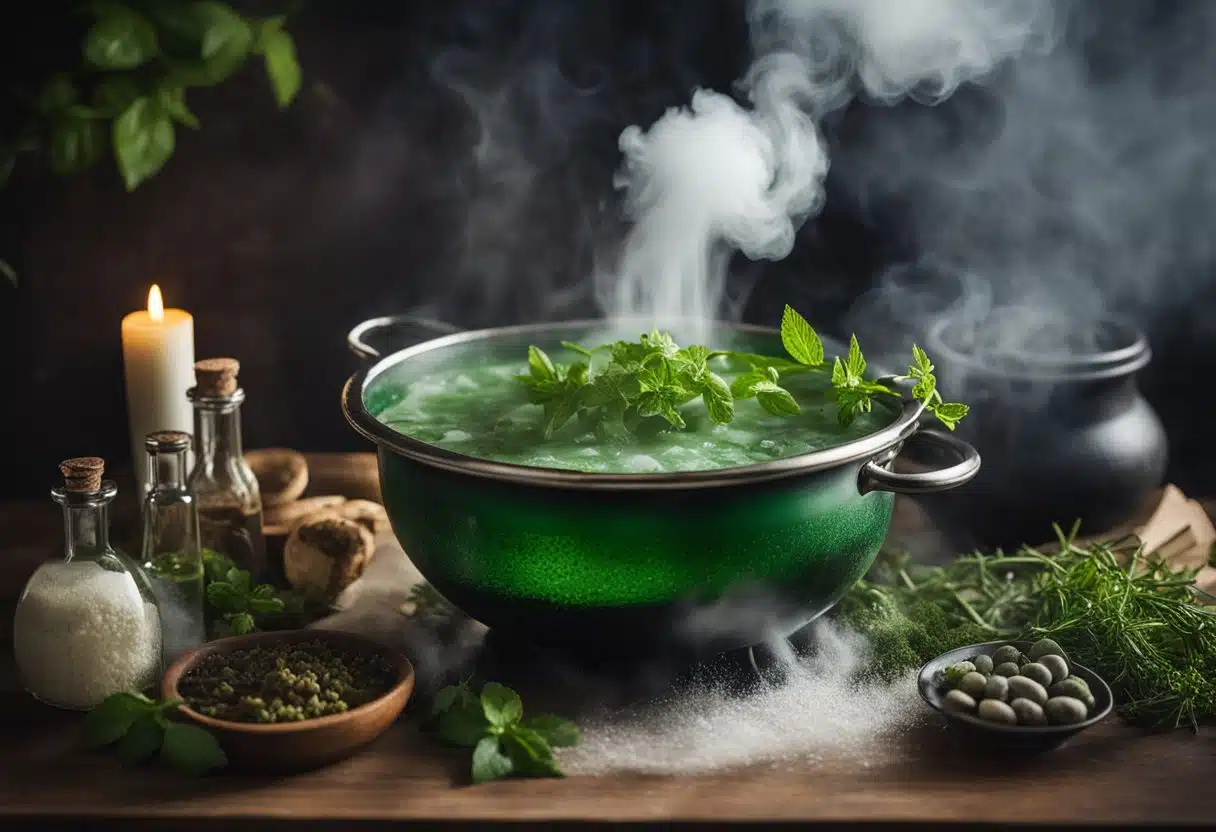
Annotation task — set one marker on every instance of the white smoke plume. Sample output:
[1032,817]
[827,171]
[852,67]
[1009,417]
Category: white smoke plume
[719,176]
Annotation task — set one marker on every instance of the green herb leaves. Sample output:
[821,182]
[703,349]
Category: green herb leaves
[139,60]
[799,340]
[121,38]
[644,384]
[137,728]
[239,603]
[504,743]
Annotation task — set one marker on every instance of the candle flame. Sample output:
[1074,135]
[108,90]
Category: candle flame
[156,304]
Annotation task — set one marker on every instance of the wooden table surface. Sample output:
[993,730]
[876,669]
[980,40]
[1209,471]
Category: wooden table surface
[1110,775]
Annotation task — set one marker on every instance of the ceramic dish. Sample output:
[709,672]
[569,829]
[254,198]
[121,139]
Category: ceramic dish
[311,743]
[1020,737]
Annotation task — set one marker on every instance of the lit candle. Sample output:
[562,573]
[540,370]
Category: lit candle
[158,361]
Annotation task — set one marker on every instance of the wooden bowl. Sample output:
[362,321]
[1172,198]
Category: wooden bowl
[311,743]
[1024,738]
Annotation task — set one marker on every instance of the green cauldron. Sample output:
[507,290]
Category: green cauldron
[679,564]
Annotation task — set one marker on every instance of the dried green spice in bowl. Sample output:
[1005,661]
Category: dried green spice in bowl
[372,684]
[285,682]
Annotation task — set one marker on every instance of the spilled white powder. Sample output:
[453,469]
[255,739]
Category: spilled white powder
[82,632]
[816,714]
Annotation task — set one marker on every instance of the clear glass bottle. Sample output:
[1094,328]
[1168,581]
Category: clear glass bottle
[229,502]
[86,624]
[172,554]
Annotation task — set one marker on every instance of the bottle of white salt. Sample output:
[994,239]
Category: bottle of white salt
[86,626]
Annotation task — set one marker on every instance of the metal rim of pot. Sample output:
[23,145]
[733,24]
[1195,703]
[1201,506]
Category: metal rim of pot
[1133,354]
[878,449]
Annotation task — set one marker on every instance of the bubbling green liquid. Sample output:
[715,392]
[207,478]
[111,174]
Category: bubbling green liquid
[483,411]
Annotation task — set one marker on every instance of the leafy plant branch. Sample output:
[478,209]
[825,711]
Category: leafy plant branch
[643,384]
[139,60]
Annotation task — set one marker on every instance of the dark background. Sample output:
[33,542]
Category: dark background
[279,231]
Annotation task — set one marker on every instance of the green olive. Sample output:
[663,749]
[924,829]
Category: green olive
[958,701]
[994,710]
[1038,672]
[1058,665]
[1008,653]
[973,684]
[1064,710]
[1006,669]
[997,688]
[1028,712]
[1044,647]
[1023,687]
[1075,687]
[983,664]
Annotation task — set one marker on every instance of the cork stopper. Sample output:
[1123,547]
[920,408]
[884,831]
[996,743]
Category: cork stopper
[83,474]
[162,441]
[216,376]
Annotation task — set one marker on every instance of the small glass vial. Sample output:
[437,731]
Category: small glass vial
[229,503]
[172,554]
[86,625]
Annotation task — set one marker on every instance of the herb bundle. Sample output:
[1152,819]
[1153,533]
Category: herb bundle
[138,728]
[644,383]
[504,743]
[239,607]
[1127,615]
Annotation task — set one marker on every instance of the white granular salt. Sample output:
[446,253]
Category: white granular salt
[83,632]
[816,714]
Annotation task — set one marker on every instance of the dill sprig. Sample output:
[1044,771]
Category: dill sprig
[1112,606]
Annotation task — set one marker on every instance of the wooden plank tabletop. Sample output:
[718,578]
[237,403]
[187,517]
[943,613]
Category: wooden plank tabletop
[1110,775]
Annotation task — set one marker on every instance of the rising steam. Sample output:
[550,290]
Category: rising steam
[717,176]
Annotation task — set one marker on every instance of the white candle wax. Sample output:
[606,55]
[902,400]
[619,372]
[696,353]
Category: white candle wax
[158,362]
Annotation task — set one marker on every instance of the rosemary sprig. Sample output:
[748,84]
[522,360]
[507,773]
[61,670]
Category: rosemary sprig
[644,384]
[1113,607]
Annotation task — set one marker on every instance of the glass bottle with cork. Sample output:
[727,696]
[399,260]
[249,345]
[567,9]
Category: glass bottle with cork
[86,624]
[229,502]
[172,553]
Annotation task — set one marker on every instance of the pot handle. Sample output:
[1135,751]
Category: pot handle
[420,329]
[875,476]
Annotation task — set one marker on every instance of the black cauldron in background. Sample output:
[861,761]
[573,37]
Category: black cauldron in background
[1063,435]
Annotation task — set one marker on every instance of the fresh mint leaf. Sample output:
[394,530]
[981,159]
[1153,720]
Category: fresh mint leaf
[921,365]
[501,705]
[75,144]
[219,42]
[173,99]
[661,343]
[840,376]
[110,720]
[454,695]
[529,752]
[776,399]
[225,598]
[191,749]
[120,39]
[143,140]
[716,394]
[241,623]
[558,732]
[950,413]
[240,579]
[9,272]
[225,31]
[489,762]
[799,339]
[463,723]
[541,365]
[282,66]
[855,364]
[744,385]
[578,348]
[141,741]
[265,606]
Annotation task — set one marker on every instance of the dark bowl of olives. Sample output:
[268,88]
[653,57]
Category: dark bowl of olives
[1015,695]
[290,700]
